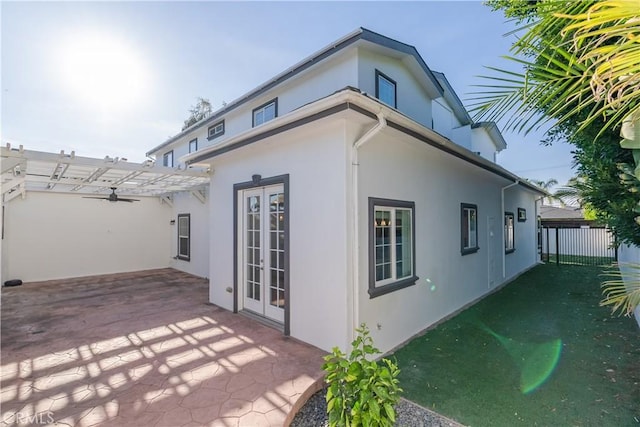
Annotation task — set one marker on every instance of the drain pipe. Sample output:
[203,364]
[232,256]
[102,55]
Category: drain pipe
[504,254]
[355,262]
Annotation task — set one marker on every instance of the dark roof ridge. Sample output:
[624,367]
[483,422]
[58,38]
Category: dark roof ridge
[332,48]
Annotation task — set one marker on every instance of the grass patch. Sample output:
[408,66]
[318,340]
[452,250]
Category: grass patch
[472,367]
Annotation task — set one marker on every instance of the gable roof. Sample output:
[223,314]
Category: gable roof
[361,34]
[453,100]
[352,99]
[494,133]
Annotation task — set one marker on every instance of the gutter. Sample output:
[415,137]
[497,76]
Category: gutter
[504,253]
[355,206]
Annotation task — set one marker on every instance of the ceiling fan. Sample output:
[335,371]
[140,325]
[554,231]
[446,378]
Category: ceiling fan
[113,197]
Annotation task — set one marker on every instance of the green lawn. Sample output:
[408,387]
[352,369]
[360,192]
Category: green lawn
[497,364]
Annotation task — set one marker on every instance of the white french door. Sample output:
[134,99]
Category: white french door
[262,251]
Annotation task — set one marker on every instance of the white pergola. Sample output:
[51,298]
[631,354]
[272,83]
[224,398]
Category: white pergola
[23,170]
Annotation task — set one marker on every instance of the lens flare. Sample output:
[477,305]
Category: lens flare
[536,361]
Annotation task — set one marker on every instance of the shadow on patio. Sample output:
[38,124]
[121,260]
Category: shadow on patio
[144,349]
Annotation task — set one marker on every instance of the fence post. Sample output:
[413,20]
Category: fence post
[557,246]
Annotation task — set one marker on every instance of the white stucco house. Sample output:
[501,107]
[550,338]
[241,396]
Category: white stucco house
[353,187]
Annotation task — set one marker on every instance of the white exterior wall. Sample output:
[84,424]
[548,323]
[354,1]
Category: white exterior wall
[411,97]
[324,79]
[461,135]
[438,183]
[629,255]
[186,203]
[526,233]
[481,143]
[56,236]
[315,159]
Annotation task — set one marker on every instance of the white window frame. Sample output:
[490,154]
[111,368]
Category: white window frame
[509,232]
[193,145]
[167,159]
[258,119]
[215,130]
[466,227]
[393,283]
[184,256]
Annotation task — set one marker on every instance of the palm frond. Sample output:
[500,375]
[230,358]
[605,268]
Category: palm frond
[621,295]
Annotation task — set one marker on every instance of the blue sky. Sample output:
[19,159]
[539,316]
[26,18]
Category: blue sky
[119,78]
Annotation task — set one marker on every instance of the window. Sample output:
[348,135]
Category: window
[385,89]
[509,233]
[215,130]
[193,145]
[469,228]
[266,112]
[167,159]
[184,237]
[392,261]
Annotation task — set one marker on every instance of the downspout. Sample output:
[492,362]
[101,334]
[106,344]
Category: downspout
[377,128]
[504,253]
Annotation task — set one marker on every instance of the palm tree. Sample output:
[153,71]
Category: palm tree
[546,186]
[583,56]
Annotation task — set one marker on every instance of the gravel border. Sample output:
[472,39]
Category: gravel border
[314,414]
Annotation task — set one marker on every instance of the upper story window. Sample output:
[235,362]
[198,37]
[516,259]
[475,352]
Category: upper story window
[167,159]
[385,89]
[265,112]
[509,233]
[215,130]
[469,228]
[193,145]
[392,262]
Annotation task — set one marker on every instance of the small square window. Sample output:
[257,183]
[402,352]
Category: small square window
[391,246]
[469,228]
[385,89]
[522,215]
[215,130]
[167,159]
[265,112]
[509,233]
[193,145]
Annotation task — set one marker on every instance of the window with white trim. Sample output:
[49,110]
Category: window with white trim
[509,232]
[193,145]
[265,112]
[167,159]
[468,228]
[215,130]
[385,89]
[391,245]
[184,237]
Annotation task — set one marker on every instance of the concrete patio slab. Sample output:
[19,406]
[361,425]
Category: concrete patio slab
[144,349]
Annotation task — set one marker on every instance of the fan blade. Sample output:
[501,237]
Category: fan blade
[91,197]
[120,199]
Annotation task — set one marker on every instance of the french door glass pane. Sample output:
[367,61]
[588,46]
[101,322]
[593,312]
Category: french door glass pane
[276,249]
[253,248]
[403,243]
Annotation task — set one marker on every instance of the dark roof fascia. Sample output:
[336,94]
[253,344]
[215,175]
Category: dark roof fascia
[349,39]
[497,170]
[450,95]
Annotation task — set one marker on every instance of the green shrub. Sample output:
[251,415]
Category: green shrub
[361,392]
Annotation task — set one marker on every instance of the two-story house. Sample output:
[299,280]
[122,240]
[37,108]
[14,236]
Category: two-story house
[352,187]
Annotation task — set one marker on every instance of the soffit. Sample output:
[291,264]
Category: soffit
[25,170]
